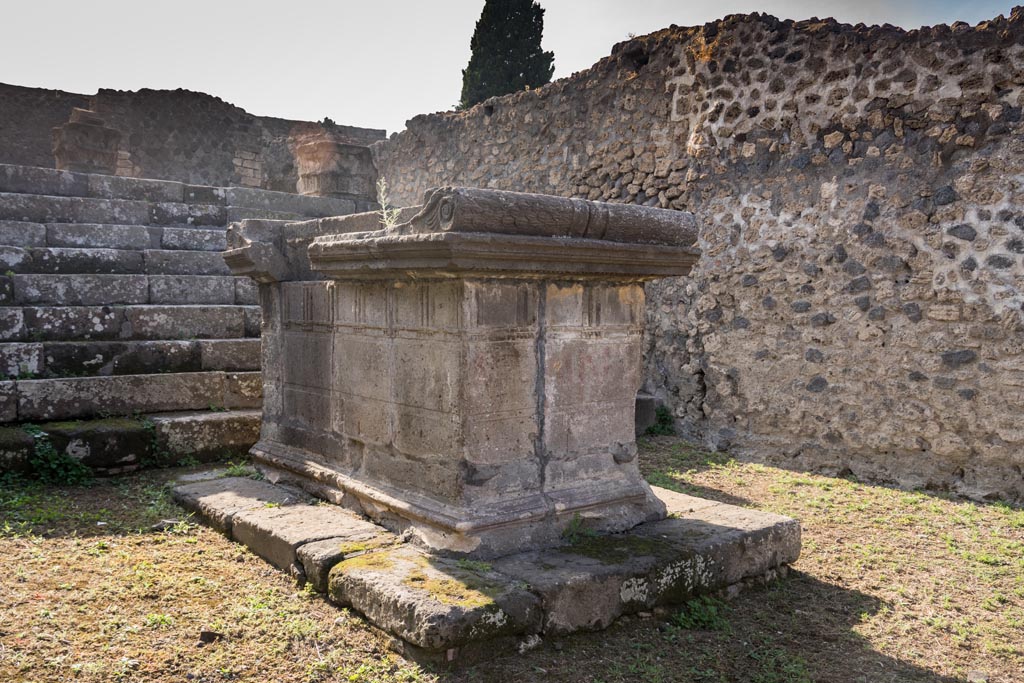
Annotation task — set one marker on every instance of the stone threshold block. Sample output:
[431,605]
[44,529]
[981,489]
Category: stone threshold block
[454,610]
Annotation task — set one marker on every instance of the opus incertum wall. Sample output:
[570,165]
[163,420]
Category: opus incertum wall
[858,304]
[469,374]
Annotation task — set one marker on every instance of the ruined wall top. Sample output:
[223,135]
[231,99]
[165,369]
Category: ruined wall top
[170,135]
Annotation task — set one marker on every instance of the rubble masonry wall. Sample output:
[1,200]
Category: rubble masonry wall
[858,307]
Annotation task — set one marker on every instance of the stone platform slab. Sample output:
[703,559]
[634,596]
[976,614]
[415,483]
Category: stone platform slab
[446,609]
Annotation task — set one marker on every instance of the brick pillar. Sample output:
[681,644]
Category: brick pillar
[328,168]
[86,144]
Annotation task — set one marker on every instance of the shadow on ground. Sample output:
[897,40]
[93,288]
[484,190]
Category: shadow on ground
[799,629]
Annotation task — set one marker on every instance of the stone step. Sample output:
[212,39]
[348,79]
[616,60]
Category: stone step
[94,261]
[107,289]
[445,609]
[33,360]
[121,323]
[115,445]
[78,397]
[34,180]
[39,208]
[111,236]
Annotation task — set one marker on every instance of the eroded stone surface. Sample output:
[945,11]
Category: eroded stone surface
[858,195]
[444,608]
[217,501]
[433,603]
[385,371]
[276,533]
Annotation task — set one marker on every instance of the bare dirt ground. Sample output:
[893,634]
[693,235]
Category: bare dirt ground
[892,586]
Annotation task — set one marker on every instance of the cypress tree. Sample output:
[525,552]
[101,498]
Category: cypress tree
[506,53]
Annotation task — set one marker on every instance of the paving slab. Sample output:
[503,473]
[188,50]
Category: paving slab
[275,534]
[433,603]
[217,501]
[445,609]
[317,558]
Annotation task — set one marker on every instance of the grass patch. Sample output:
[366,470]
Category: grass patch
[891,586]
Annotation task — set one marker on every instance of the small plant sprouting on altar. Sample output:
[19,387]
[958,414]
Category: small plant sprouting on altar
[388,213]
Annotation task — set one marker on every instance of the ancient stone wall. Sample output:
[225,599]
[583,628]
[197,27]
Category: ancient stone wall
[858,305]
[170,135]
[27,119]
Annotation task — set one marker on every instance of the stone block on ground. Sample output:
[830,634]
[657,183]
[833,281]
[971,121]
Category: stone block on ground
[443,608]
[207,435]
[432,603]
[276,533]
[319,557]
[218,501]
[16,448]
[700,548]
[645,414]
[108,445]
[209,473]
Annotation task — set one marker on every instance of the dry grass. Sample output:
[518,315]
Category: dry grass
[892,586]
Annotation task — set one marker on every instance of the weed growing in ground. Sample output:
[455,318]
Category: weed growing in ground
[574,532]
[664,424]
[50,466]
[702,614]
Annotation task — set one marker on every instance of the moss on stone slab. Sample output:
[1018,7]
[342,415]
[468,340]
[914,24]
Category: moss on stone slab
[616,548]
[465,592]
[376,561]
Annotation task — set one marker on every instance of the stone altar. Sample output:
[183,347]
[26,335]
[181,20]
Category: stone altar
[468,375]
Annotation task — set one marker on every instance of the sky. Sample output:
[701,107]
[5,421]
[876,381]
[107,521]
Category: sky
[373,63]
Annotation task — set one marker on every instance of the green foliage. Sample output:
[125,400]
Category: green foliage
[474,565]
[778,666]
[574,532]
[664,424]
[506,52]
[702,614]
[50,466]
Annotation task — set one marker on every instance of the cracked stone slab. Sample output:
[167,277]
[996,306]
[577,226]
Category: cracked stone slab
[317,558]
[432,603]
[700,548]
[217,501]
[443,609]
[276,533]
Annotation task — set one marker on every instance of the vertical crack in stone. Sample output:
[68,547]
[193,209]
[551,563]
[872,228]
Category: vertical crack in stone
[540,451]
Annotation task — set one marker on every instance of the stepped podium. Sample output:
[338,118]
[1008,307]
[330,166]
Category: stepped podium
[467,376]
